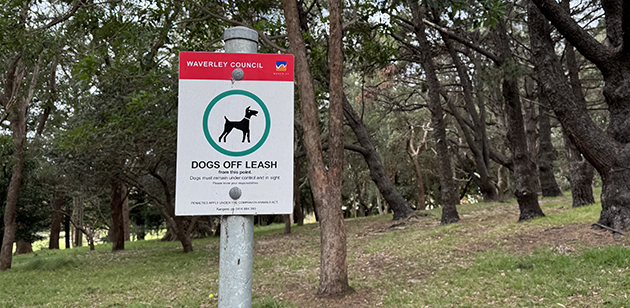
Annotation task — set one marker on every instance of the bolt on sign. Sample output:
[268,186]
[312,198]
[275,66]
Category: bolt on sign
[234,134]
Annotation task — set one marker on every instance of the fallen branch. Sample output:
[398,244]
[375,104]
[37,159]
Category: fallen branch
[607,228]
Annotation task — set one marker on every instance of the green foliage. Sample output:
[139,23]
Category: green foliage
[494,12]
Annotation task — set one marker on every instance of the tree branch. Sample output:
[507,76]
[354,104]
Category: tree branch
[587,45]
[464,41]
[77,5]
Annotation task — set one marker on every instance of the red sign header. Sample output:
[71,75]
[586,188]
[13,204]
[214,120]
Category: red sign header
[219,66]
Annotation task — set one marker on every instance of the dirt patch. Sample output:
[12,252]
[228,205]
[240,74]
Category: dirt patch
[361,297]
[566,238]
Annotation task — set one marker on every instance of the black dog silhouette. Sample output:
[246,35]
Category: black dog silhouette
[242,125]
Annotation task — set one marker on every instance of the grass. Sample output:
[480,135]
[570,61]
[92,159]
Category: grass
[485,260]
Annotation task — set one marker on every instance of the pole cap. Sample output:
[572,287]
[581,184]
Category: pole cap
[240,33]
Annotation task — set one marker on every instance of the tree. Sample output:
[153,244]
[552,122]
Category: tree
[581,172]
[450,193]
[325,180]
[548,185]
[607,151]
[521,161]
[477,142]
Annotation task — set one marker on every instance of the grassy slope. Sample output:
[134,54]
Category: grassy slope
[486,260]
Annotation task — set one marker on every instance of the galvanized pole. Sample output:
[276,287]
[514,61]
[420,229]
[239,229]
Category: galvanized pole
[237,232]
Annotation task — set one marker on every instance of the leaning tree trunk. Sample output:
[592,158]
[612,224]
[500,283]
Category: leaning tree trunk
[548,185]
[450,194]
[524,167]
[581,172]
[177,224]
[396,201]
[608,152]
[478,144]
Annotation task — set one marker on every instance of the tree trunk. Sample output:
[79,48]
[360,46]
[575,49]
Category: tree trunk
[607,151]
[116,229]
[56,217]
[18,120]
[182,235]
[18,125]
[66,230]
[23,247]
[478,145]
[325,182]
[396,201]
[581,174]
[450,194]
[548,185]
[413,155]
[524,167]
[530,120]
[333,267]
[287,223]
[298,212]
[125,214]
[78,237]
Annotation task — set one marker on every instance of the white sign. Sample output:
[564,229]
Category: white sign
[234,138]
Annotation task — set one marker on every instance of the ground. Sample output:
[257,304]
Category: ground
[485,260]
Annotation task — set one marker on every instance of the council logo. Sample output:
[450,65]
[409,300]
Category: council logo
[281,66]
[236,123]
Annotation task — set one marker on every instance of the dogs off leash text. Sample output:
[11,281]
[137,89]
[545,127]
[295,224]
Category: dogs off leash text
[242,125]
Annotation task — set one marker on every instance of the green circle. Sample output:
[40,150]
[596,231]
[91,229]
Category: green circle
[223,95]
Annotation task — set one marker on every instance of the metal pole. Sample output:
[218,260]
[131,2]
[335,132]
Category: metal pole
[236,259]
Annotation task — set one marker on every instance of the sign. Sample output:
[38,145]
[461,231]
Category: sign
[234,137]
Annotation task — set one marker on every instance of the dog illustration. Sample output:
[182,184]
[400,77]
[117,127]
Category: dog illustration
[242,125]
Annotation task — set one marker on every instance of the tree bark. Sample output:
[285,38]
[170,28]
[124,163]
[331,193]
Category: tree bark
[78,237]
[66,229]
[23,247]
[125,214]
[325,182]
[608,152]
[450,195]
[56,217]
[176,224]
[548,185]
[18,121]
[478,145]
[524,167]
[396,201]
[116,229]
[413,153]
[298,212]
[530,121]
[581,172]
